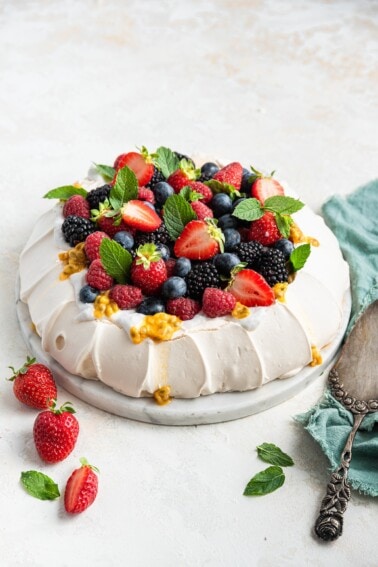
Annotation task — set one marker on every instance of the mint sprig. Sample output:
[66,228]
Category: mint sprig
[65,192]
[270,453]
[220,187]
[116,260]
[177,214]
[189,194]
[299,256]
[166,161]
[249,210]
[39,485]
[106,171]
[124,189]
[265,482]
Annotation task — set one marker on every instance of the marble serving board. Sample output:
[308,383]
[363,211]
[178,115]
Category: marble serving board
[214,408]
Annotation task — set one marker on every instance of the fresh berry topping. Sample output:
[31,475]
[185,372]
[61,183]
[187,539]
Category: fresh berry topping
[97,196]
[164,251]
[55,433]
[81,488]
[76,229]
[227,221]
[249,252]
[285,246]
[151,305]
[174,287]
[246,183]
[272,266]
[111,227]
[140,163]
[266,187]
[156,178]
[160,235]
[140,216]
[92,244]
[145,194]
[183,307]
[264,230]
[231,174]
[148,270]
[225,262]
[34,385]
[182,176]
[88,294]
[97,277]
[181,157]
[231,239]
[221,204]
[162,191]
[126,296]
[182,267]
[250,289]
[199,240]
[201,276]
[217,302]
[208,170]
[203,189]
[170,265]
[125,239]
[78,206]
[202,211]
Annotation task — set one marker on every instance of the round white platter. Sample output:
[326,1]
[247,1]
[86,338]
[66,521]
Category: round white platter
[203,410]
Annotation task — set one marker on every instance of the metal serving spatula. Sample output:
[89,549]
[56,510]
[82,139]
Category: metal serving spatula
[354,383]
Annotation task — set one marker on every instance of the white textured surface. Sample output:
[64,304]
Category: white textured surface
[283,85]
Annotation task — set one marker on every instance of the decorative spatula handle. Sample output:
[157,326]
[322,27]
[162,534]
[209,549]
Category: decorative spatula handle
[329,525]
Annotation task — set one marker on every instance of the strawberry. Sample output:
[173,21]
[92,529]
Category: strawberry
[107,225]
[183,307]
[34,385]
[250,288]
[205,191]
[81,488]
[92,244]
[231,174]
[265,230]
[148,269]
[202,211]
[126,296]
[265,187]
[140,216]
[140,163]
[97,276]
[217,302]
[55,433]
[145,194]
[200,240]
[183,176]
[78,206]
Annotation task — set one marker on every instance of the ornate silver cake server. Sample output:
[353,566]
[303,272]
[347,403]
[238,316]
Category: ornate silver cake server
[354,383]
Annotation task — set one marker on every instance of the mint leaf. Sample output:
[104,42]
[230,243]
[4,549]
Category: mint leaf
[283,224]
[115,259]
[65,192]
[273,455]
[220,187]
[106,171]
[283,205]
[39,485]
[265,482]
[189,194]
[125,188]
[249,210]
[177,213]
[167,161]
[299,256]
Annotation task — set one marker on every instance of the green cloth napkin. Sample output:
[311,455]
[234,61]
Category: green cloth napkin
[354,220]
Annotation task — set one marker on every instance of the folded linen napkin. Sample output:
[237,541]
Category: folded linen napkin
[354,220]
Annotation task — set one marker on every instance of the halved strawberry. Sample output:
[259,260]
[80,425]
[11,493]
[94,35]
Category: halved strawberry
[81,488]
[265,187]
[250,288]
[231,174]
[200,240]
[140,163]
[140,216]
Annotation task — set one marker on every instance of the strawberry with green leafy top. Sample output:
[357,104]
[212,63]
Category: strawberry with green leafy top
[265,230]
[34,385]
[55,433]
[200,240]
[231,174]
[148,269]
[183,175]
[250,288]
[140,163]
[81,488]
[265,186]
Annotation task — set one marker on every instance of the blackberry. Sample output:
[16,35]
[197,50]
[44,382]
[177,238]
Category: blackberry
[201,276]
[160,235]
[76,229]
[156,178]
[183,156]
[272,266]
[97,196]
[249,252]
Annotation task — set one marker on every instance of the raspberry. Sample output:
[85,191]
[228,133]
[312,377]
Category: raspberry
[76,229]
[92,245]
[205,191]
[126,296]
[97,277]
[107,225]
[170,265]
[272,266]
[183,307]
[145,194]
[98,195]
[78,206]
[217,302]
[202,211]
[265,230]
[201,276]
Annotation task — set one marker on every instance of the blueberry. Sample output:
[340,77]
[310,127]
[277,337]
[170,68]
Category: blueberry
[246,184]
[209,169]
[225,262]
[227,221]
[164,250]
[125,239]
[285,246]
[231,238]
[174,287]
[221,204]
[88,294]
[162,191]
[151,305]
[182,267]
